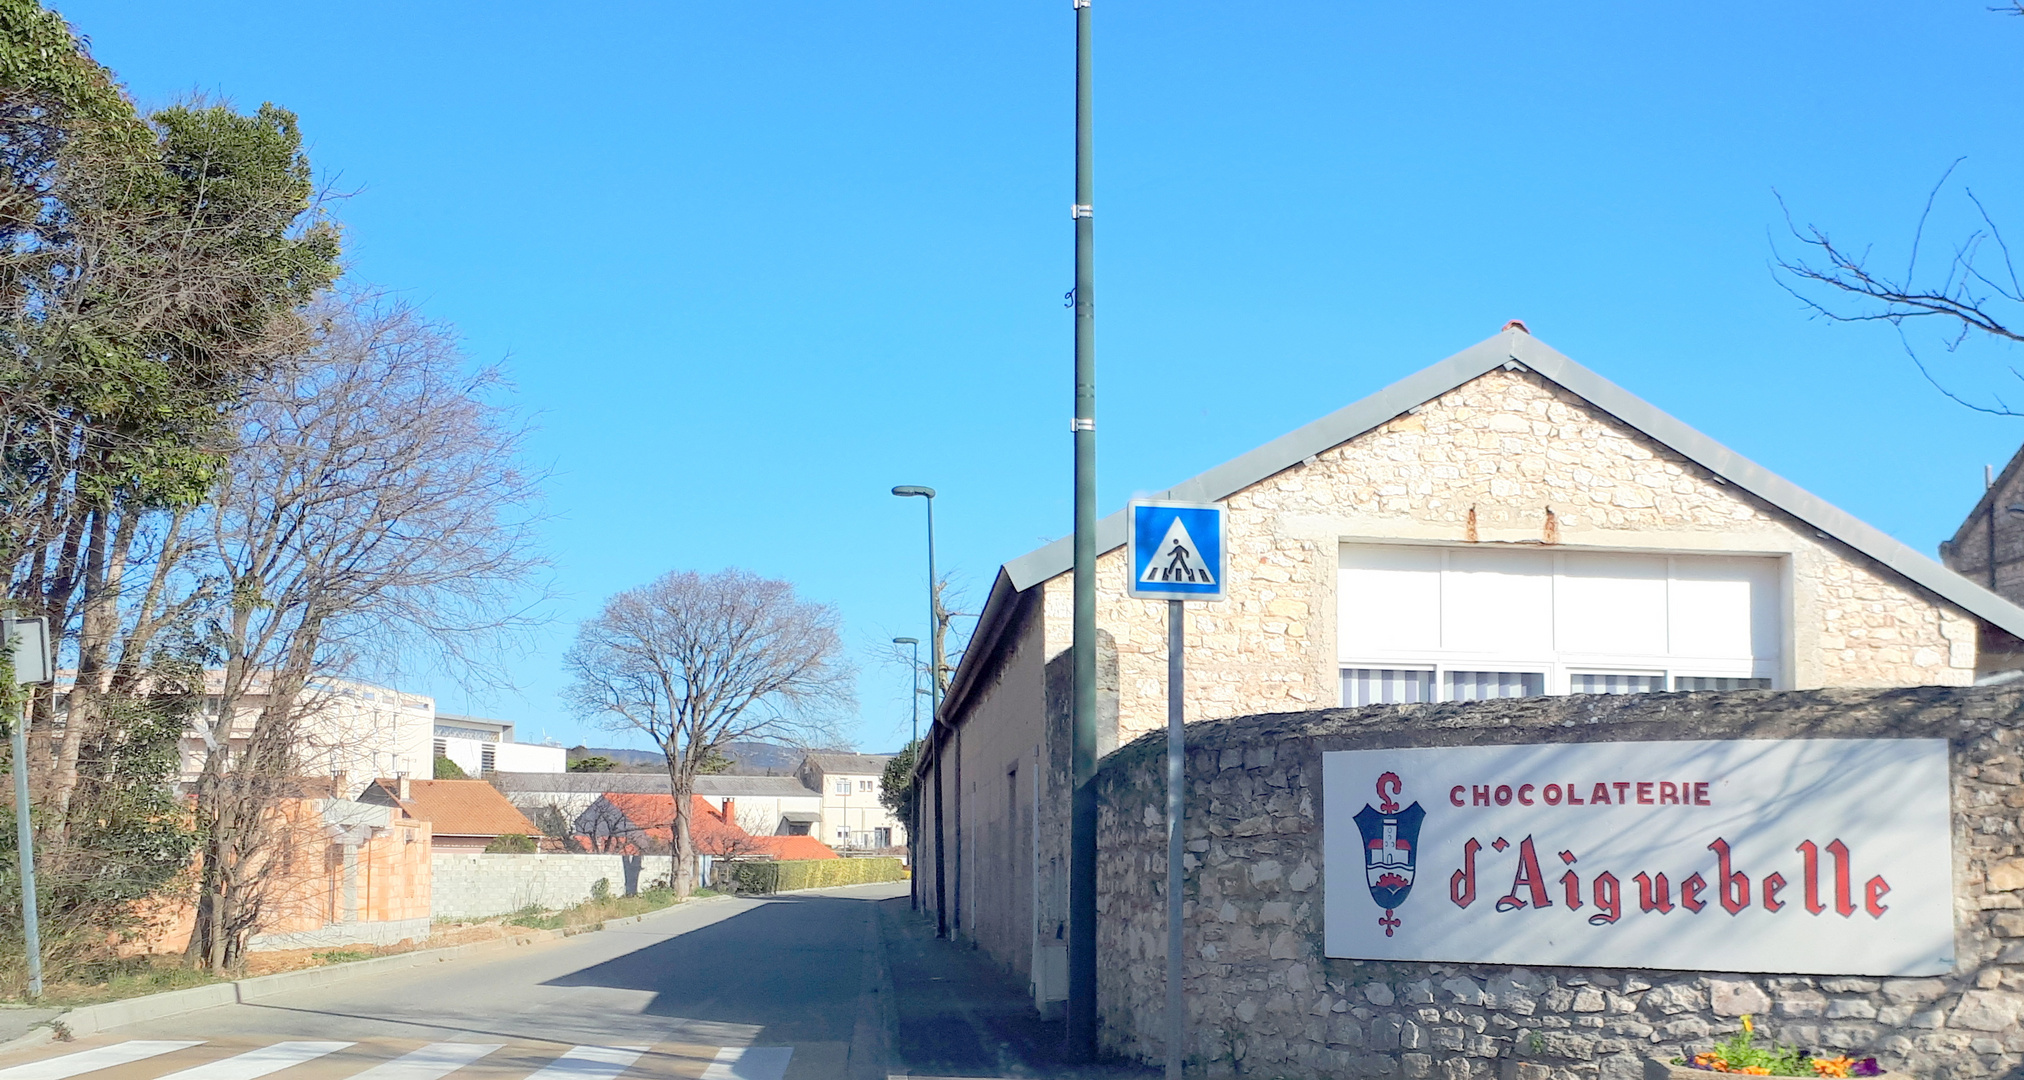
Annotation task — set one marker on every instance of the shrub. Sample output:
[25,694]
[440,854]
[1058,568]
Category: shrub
[449,770]
[600,890]
[512,843]
[790,874]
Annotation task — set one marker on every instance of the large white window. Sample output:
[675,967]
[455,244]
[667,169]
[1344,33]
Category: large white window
[1465,624]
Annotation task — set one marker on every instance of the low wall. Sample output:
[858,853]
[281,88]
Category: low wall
[478,885]
[388,932]
[1264,1000]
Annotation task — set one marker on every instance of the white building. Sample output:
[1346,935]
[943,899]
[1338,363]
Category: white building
[852,816]
[765,805]
[346,728]
[481,747]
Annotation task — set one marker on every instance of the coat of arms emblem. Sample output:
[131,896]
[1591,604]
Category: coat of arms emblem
[1391,842]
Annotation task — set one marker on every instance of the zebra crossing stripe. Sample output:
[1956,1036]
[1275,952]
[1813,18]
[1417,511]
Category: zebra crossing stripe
[428,1063]
[749,1063]
[102,1057]
[258,1063]
[591,1063]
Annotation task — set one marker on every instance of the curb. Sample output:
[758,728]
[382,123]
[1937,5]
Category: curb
[92,1019]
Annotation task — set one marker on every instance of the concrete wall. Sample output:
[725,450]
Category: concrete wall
[477,886]
[1265,1001]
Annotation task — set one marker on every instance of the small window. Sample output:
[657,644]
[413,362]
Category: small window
[842,833]
[1614,683]
[864,785]
[1385,686]
[843,785]
[1704,682]
[487,758]
[1485,685]
[442,748]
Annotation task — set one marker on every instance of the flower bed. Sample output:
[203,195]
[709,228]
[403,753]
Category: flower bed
[1740,1054]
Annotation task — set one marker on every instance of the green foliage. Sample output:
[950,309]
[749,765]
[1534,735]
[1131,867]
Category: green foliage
[713,762]
[788,875]
[511,844]
[1740,1052]
[130,839]
[593,763]
[43,62]
[896,787]
[449,770]
[340,956]
[600,890]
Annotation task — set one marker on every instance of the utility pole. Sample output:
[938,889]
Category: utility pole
[27,640]
[1082,814]
[914,795]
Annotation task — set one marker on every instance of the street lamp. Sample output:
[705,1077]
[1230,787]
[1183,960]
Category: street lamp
[934,706]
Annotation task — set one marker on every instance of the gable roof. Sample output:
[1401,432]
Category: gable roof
[754,787]
[454,807]
[1518,350]
[852,764]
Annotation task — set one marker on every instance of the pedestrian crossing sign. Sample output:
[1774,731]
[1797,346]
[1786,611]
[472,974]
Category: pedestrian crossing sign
[1176,550]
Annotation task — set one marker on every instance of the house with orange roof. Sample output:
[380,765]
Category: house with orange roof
[465,815]
[642,823]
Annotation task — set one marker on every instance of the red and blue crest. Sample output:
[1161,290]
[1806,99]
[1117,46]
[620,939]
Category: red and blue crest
[1391,847]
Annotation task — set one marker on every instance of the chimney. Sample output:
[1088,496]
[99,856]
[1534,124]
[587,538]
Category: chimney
[406,792]
[730,811]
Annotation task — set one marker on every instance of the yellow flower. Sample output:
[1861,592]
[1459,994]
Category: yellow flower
[1748,1027]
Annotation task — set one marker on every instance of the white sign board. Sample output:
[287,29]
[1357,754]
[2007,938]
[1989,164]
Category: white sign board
[1802,856]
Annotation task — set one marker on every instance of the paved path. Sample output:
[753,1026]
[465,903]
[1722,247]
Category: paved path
[841,984]
[744,989]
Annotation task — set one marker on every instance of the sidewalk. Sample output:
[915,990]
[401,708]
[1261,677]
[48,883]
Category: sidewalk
[955,1014]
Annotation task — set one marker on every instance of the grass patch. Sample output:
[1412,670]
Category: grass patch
[143,975]
[342,956]
[593,912]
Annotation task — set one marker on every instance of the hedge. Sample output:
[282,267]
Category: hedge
[790,874]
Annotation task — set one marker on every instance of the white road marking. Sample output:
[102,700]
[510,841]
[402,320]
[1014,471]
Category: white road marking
[258,1063]
[749,1063]
[101,1057]
[591,1063]
[428,1063]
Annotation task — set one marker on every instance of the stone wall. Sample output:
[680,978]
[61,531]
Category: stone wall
[1264,1001]
[479,886]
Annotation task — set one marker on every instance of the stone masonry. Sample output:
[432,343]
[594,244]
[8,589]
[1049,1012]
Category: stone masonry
[1509,457]
[1264,1001]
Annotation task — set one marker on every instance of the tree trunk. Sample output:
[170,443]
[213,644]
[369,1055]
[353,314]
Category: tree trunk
[683,783]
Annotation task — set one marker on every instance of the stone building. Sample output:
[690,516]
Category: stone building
[1505,523]
[1995,524]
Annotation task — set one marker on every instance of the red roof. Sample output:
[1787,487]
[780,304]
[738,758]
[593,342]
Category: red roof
[651,825]
[454,807]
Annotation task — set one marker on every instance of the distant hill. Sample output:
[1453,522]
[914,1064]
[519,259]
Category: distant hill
[747,758]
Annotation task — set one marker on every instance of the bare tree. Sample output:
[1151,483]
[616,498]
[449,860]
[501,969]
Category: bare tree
[696,661]
[1968,293]
[372,514]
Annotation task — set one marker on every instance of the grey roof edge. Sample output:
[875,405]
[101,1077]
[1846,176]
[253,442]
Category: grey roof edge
[1281,453]
[1831,521]
[1352,420]
[991,625]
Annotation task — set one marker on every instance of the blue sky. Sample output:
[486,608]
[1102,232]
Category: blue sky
[751,265]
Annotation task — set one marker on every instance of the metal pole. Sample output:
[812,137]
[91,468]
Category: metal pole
[1177,615]
[934,623]
[24,838]
[914,794]
[1082,818]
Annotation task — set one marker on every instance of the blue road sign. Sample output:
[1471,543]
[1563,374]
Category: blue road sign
[1176,551]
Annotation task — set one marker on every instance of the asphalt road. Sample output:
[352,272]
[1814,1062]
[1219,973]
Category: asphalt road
[781,988]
